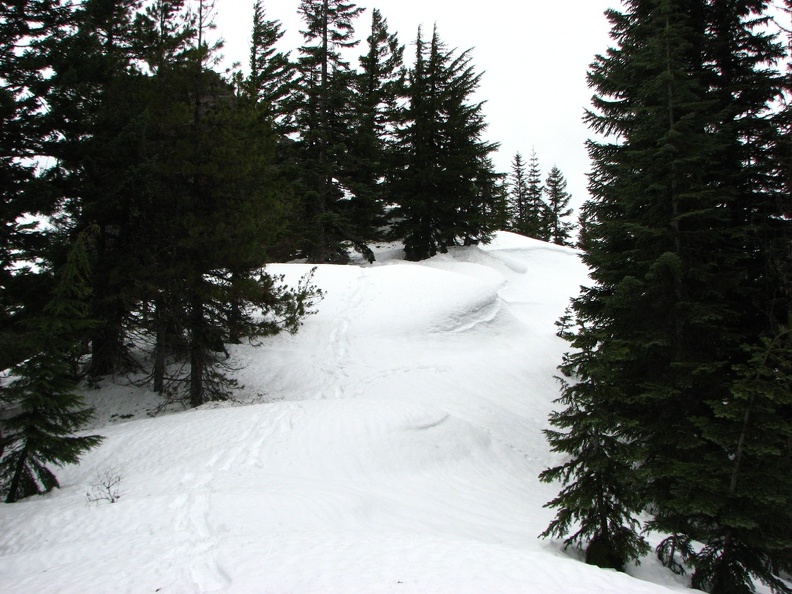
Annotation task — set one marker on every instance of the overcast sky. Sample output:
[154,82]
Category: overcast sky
[534,55]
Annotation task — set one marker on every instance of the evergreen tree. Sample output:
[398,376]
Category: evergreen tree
[162,33]
[530,214]
[598,499]
[212,153]
[742,501]
[682,226]
[40,434]
[557,208]
[584,223]
[495,198]
[536,218]
[518,193]
[174,171]
[23,132]
[324,83]
[444,176]
[91,66]
[378,87]
[271,72]
[155,109]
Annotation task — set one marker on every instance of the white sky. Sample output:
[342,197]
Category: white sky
[534,55]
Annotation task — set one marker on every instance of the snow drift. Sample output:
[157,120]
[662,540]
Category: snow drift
[392,445]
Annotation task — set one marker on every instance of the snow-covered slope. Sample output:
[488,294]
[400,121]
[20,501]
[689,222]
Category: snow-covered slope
[392,445]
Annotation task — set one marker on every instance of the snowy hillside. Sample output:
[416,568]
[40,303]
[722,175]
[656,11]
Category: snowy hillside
[392,445]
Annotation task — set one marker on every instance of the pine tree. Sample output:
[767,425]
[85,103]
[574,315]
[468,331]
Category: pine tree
[324,83]
[684,218]
[174,171]
[536,218]
[529,211]
[158,107]
[598,498]
[584,223]
[518,193]
[557,208]
[444,177]
[742,500]
[23,132]
[90,145]
[162,33]
[211,152]
[379,85]
[271,78]
[40,434]
[494,197]
[746,543]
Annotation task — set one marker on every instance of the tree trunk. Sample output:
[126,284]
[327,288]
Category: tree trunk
[197,350]
[161,348]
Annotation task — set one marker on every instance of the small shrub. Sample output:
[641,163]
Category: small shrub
[106,487]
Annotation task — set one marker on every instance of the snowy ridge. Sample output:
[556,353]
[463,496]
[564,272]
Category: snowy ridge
[392,445]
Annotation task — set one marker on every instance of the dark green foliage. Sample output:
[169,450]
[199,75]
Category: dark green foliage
[530,214]
[494,197]
[536,218]
[227,206]
[379,85]
[323,119]
[583,224]
[727,566]
[599,498]
[163,33]
[444,178]
[176,173]
[557,208]
[518,194]
[753,485]
[271,77]
[42,391]
[23,132]
[687,238]
[96,141]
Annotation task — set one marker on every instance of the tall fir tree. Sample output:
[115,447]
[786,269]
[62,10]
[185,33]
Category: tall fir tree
[272,74]
[531,215]
[92,67]
[584,223]
[379,85]
[518,193]
[598,500]
[26,30]
[535,224]
[162,33]
[558,209]
[41,433]
[444,176]
[494,196]
[323,112]
[684,219]
[228,208]
[733,511]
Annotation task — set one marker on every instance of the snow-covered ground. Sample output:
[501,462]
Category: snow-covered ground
[392,445]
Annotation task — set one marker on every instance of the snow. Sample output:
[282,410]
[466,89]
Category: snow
[392,445]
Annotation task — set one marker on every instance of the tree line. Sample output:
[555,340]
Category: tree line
[676,407]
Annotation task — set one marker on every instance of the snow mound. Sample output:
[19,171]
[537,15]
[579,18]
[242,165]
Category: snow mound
[392,445]
[403,300]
